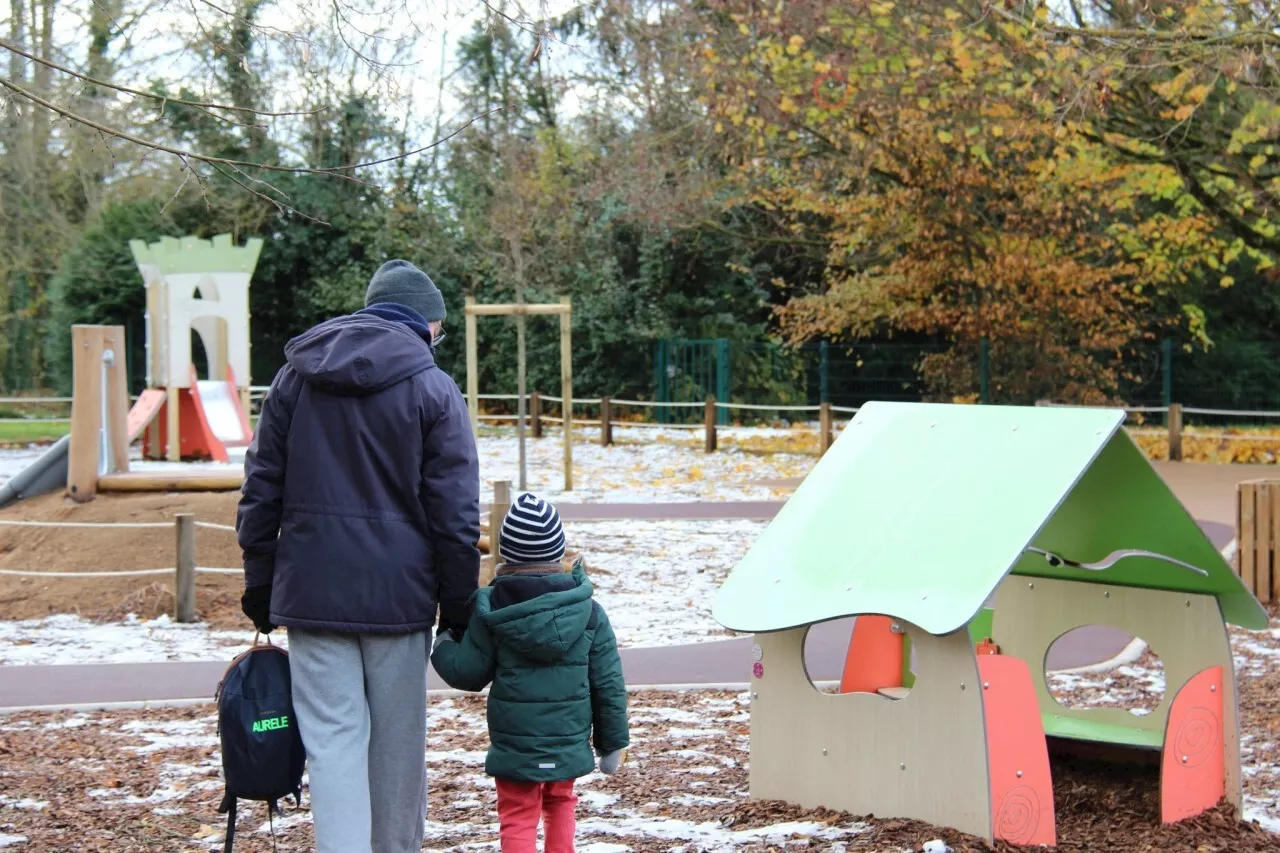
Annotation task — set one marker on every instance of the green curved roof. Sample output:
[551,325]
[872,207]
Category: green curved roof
[918,511]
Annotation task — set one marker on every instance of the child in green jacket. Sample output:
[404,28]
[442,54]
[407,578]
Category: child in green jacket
[557,689]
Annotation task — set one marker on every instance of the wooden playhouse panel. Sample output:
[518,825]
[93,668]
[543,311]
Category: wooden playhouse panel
[923,756]
[1186,630]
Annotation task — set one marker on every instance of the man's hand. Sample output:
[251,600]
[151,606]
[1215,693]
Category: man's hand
[452,627]
[256,604]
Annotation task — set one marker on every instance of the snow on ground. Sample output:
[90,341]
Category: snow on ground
[13,460]
[656,580]
[115,759]
[111,775]
[644,465]
[68,639]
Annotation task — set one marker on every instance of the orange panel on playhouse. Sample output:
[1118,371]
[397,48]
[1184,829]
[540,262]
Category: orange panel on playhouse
[874,659]
[1022,809]
[1193,768]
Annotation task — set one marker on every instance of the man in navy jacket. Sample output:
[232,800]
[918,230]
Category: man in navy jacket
[359,517]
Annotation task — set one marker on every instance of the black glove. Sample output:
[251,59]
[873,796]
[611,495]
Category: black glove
[256,604]
[453,629]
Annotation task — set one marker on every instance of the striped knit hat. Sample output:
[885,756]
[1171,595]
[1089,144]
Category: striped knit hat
[531,532]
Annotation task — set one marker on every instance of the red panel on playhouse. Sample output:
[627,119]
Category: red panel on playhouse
[1018,758]
[1193,770]
[874,659]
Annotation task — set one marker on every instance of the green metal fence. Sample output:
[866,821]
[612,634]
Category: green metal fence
[1240,376]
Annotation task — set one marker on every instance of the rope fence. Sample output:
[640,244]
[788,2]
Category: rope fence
[183,573]
[124,573]
[829,425]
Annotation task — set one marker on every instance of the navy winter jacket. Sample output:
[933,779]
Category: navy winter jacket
[361,497]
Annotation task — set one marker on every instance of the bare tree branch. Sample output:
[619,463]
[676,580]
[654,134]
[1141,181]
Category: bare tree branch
[203,105]
[335,171]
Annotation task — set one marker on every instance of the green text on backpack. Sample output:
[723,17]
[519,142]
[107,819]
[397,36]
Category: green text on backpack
[270,724]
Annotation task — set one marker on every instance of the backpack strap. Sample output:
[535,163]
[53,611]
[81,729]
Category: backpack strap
[595,616]
[231,826]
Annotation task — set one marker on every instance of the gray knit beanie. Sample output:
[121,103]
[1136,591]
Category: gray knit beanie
[404,284]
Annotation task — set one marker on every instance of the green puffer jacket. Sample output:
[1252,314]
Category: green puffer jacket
[552,658]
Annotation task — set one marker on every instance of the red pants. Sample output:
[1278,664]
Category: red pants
[521,804]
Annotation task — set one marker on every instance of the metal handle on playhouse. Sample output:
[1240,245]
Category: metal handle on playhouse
[1111,559]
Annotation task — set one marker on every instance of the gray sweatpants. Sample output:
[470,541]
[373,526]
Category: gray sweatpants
[361,700]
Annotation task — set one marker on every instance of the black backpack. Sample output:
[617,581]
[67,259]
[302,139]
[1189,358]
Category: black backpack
[262,755]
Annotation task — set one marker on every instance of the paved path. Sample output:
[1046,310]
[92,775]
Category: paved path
[716,662]
[726,661]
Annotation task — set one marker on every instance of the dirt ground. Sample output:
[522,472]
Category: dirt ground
[102,549]
[148,781]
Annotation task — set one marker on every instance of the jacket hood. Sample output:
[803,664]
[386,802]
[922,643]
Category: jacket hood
[358,355]
[542,628]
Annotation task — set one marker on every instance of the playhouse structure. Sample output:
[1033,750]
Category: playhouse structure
[917,520]
[196,288]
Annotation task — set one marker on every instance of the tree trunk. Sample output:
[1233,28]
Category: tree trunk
[517,259]
[42,78]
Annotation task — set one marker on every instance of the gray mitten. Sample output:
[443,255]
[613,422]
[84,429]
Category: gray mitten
[442,637]
[610,763]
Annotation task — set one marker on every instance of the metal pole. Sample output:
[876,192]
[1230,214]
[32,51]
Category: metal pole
[520,375]
[566,386]
[723,391]
[473,369]
[984,372]
[824,390]
[106,463]
[1166,371]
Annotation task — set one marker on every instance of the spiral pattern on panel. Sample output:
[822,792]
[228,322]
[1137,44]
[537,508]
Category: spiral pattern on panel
[1197,737]
[1019,815]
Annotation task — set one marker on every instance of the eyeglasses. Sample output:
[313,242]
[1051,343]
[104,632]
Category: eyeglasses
[438,337]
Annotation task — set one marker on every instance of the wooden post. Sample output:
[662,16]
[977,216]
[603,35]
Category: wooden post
[173,431]
[710,421]
[1175,432]
[185,591]
[497,512]
[473,362]
[99,409]
[86,412]
[824,427]
[501,504]
[566,390]
[535,414]
[606,422]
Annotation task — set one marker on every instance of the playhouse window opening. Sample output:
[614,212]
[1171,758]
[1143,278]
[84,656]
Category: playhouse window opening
[199,356]
[863,654]
[1131,678]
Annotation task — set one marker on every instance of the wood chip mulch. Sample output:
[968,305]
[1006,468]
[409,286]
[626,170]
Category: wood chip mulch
[149,781]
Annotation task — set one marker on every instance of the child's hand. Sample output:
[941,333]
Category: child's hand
[442,637]
[610,763]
